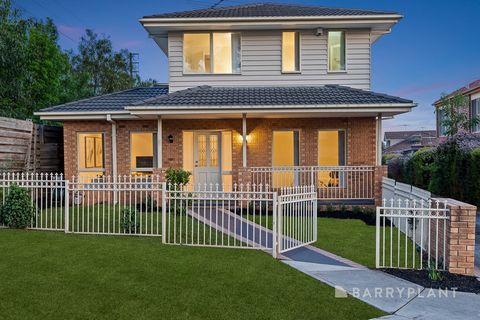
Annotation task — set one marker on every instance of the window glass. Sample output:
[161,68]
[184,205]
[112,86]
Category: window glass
[90,154]
[225,58]
[336,51]
[331,152]
[441,117]
[227,159]
[142,151]
[196,52]
[290,51]
[476,113]
[285,154]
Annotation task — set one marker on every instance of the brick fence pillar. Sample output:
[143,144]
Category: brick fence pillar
[244,176]
[460,234]
[379,173]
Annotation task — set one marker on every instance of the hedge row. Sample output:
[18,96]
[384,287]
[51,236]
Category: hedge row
[452,169]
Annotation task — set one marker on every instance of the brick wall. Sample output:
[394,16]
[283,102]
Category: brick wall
[360,133]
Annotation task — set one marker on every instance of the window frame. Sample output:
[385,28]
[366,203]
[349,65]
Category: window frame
[345,49]
[212,58]
[439,113]
[344,147]
[299,53]
[475,101]
[93,170]
[155,152]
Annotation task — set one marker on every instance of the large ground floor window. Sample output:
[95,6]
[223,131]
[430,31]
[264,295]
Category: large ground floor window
[286,153]
[90,155]
[331,152]
[143,152]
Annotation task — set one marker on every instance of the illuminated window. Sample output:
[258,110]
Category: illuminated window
[285,154]
[90,154]
[227,159]
[290,52]
[217,52]
[331,152]
[143,152]
[336,51]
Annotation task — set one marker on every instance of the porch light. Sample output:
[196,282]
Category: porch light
[170,138]
[240,138]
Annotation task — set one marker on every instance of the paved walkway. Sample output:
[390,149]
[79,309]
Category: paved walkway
[401,298]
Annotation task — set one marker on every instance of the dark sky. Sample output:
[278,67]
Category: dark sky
[434,49]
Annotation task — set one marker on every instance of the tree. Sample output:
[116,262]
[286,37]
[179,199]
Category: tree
[455,115]
[107,70]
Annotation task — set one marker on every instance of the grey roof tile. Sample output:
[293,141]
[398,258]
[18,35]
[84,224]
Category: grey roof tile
[208,96]
[116,101]
[267,10]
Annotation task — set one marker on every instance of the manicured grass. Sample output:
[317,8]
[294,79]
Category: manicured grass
[57,276]
[355,240]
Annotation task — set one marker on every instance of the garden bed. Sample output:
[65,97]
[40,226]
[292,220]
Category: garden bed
[363,214]
[449,280]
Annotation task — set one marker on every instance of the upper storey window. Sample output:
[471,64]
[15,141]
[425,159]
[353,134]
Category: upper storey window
[216,52]
[336,51]
[290,52]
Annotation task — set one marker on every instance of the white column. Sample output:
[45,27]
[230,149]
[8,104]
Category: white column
[114,145]
[159,142]
[379,139]
[244,139]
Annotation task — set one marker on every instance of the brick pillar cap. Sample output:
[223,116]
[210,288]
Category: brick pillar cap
[452,203]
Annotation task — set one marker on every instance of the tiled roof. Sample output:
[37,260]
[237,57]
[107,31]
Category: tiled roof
[395,135]
[247,97]
[116,101]
[267,10]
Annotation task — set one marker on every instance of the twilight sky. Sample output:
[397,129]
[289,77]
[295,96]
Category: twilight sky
[434,49]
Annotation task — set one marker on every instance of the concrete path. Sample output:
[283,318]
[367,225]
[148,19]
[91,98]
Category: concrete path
[401,298]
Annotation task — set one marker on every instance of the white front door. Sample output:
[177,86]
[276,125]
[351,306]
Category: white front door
[207,158]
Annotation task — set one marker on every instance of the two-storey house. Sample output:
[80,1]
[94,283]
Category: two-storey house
[260,93]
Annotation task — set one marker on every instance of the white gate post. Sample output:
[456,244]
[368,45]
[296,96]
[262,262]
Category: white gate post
[275,248]
[377,239]
[315,213]
[66,210]
[164,212]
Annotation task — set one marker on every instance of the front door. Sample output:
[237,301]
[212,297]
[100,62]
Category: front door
[207,158]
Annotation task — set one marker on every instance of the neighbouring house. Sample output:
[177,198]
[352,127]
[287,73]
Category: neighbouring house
[407,142]
[257,93]
[472,108]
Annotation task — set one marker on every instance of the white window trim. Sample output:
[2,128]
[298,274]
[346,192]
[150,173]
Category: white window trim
[478,110]
[130,153]
[299,53]
[93,170]
[211,55]
[328,53]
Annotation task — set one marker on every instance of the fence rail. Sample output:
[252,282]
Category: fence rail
[411,234]
[331,182]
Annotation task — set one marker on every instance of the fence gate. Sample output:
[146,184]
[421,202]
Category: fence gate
[297,218]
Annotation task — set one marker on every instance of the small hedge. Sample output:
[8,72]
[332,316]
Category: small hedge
[451,169]
[17,210]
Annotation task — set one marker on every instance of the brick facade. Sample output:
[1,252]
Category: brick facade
[360,135]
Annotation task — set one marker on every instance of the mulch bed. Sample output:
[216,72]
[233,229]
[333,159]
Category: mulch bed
[450,281]
[369,219]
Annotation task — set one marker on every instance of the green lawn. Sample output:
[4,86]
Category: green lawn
[57,276]
[355,240]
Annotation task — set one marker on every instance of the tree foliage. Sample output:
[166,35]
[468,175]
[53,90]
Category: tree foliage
[454,109]
[36,73]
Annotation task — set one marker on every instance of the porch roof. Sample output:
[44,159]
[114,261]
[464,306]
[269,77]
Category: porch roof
[207,100]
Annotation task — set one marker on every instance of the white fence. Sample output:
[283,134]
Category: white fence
[331,182]
[254,217]
[410,228]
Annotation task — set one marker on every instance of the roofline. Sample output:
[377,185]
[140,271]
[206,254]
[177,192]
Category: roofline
[393,16]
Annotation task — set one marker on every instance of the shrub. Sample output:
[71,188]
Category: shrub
[177,176]
[127,221]
[389,156]
[343,209]
[17,210]
[418,167]
[396,168]
[329,208]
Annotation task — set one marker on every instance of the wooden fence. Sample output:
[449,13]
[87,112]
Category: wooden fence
[29,147]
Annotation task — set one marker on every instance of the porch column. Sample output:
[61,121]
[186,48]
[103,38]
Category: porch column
[244,139]
[379,140]
[159,143]
[114,145]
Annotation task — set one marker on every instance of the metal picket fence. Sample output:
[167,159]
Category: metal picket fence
[238,216]
[411,234]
